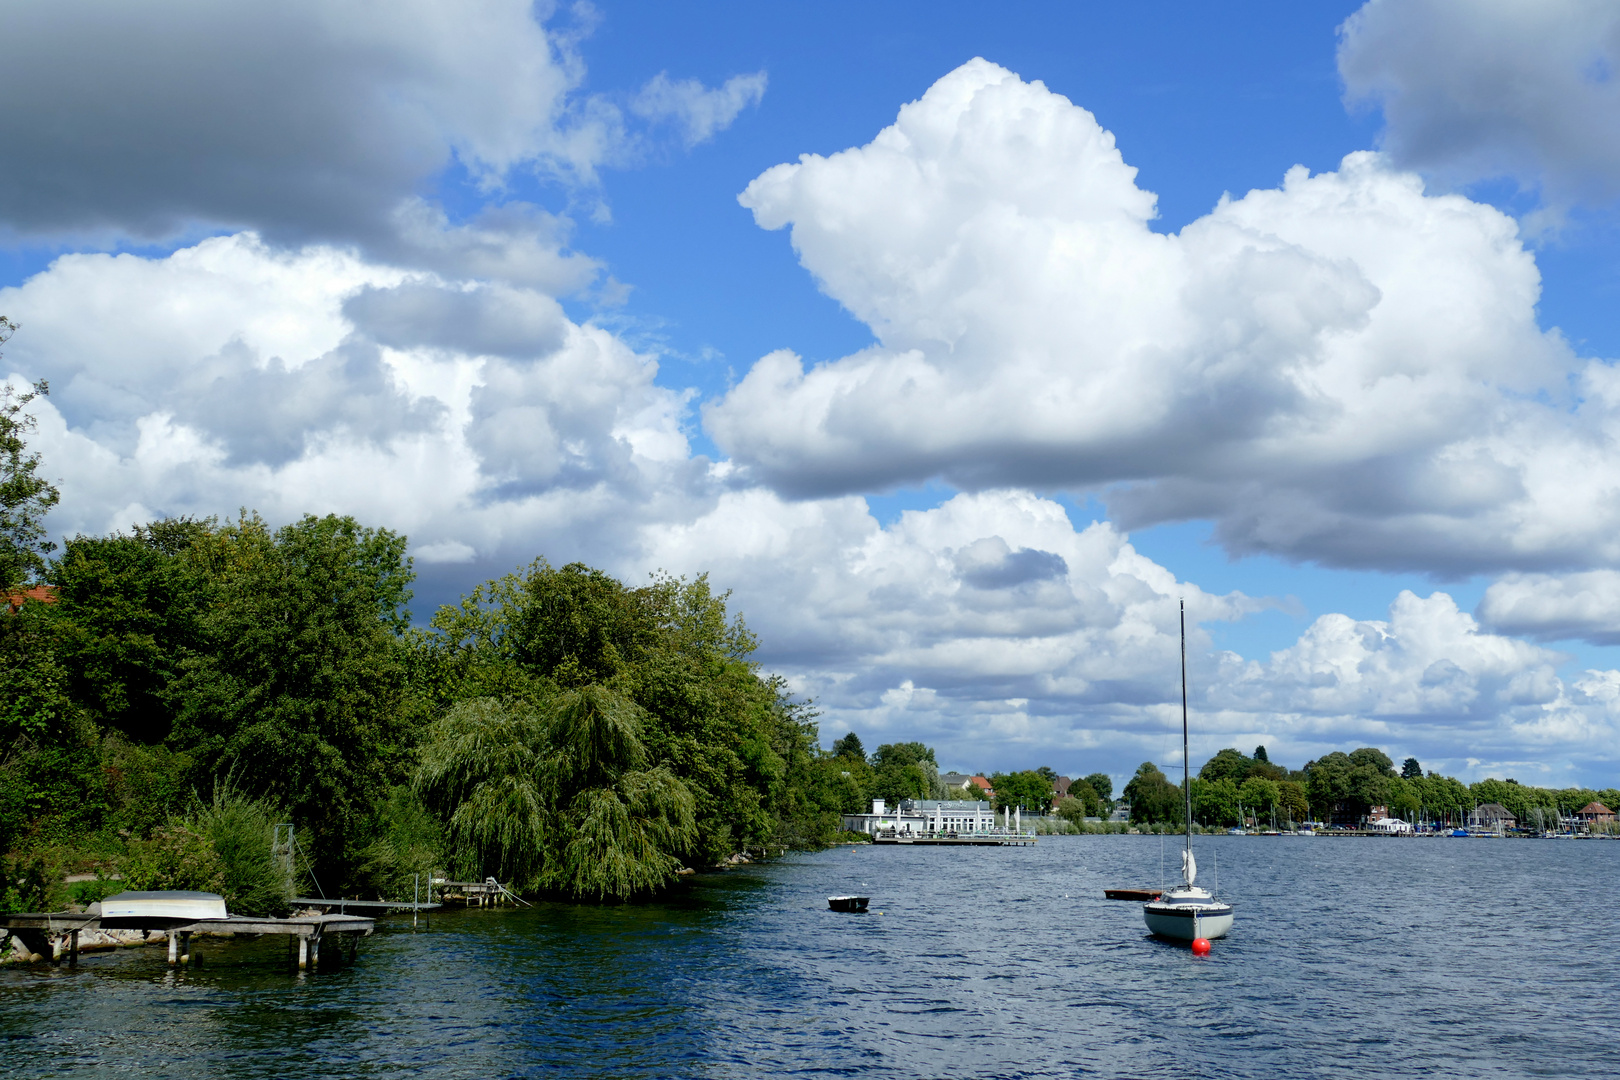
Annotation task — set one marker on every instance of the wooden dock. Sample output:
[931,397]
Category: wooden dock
[959,840]
[35,929]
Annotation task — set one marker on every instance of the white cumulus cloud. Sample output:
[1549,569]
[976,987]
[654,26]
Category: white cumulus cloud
[1344,369]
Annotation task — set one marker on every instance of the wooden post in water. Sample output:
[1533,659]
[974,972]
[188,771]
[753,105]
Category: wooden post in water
[73,948]
[303,952]
[174,948]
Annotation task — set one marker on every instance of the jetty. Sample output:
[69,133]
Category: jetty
[941,823]
[952,839]
[36,929]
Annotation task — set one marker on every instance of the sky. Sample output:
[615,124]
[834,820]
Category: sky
[961,343]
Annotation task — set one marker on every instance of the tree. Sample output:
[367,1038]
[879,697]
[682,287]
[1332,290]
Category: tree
[1027,789]
[1411,770]
[1086,796]
[562,799]
[129,609]
[1258,793]
[25,496]
[297,690]
[1227,764]
[1260,754]
[1292,801]
[849,747]
[1102,784]
[1071,809]
[1152,797]
[740,744]
[906,771]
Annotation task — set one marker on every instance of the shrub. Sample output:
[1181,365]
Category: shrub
[241,831]
[408,848]
[175,857]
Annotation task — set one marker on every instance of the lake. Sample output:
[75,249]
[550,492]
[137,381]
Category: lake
[1350,958]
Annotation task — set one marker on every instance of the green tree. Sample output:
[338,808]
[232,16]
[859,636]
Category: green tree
[1410,769]
[25,496]
[562,799]
[849,747]
[298,689]
[1027,789]
[130,609]
[1086,796]
[1102,784]
[1152,797]
[1292,800]
[1228,764]
[1258,794]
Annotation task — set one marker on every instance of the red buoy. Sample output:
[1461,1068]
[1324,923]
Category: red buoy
[1200,946]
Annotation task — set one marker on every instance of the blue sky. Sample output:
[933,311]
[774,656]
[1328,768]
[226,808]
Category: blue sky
[501,282]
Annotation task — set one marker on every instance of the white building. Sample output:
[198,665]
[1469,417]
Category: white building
[933,817]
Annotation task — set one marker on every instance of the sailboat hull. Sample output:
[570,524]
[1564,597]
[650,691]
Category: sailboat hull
[1188,923]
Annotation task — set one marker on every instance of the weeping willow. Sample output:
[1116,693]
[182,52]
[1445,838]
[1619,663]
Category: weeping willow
[558,798]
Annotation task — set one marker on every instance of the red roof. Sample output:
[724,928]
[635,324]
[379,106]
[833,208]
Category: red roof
[1596,808]
[45,594]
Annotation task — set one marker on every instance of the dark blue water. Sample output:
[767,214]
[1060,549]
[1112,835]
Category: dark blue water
[1350,958]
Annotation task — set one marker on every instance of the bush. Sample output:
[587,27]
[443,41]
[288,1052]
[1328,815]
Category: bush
[408,849]
[241,831]
[85,893]
[25,885]
[175,857]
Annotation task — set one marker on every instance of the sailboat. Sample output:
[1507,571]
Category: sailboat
[1187,911]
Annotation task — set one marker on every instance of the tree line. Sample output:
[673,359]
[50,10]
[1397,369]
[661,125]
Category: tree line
[1342,785]
[170,693]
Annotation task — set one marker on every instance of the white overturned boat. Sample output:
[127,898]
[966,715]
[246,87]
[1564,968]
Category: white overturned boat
[1187,912]
[138,910]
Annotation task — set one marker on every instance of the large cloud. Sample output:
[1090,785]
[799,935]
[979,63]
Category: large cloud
[477,418]
[1478,89]
[1344,369]
[309,120]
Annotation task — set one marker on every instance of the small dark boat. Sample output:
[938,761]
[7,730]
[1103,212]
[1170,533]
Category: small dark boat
[1139,895]
[854,904]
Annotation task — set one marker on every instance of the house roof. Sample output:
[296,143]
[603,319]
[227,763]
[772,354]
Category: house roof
[1595,808]
[45,594]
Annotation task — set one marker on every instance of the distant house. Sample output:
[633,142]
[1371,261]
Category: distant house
[45,594]
[955,781]
[1392,825]
[1491,815]
[1594,811]
[1060,789]
[983,785]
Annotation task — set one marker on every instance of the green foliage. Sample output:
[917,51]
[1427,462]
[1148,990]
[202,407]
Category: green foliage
[1071,809]
[25,884]
[849,747]
[299,690]
[1029,789]
[241,830]
[1087,797]
[130,609]
[85,893]
[1152,797]
[1292,800]
[408,847]
[561,799]
[1102,784]
[175,857]
[25,496]
[1411,770]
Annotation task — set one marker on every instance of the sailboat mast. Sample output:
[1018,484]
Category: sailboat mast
[1186,767]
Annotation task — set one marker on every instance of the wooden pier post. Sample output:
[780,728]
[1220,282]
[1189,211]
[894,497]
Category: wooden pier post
[174,948]
[73,948]
[315,948]
[303,952]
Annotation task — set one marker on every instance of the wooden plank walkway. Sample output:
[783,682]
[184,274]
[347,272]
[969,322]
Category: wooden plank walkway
[36,928]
